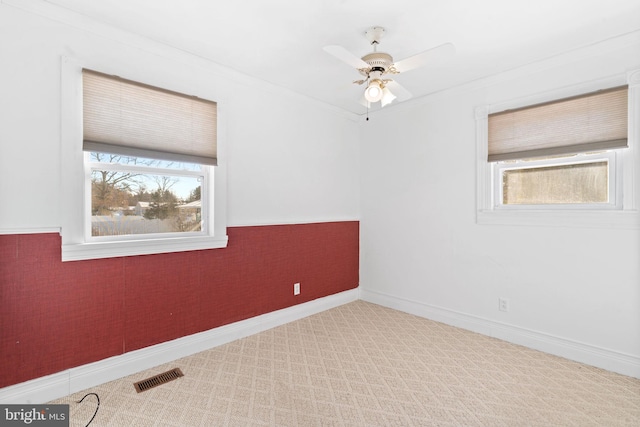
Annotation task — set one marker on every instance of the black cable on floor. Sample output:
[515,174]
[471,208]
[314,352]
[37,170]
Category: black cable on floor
[97,407]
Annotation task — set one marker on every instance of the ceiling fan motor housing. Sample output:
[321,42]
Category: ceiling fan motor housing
[378,61]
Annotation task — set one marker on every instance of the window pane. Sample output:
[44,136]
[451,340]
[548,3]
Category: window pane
[130,203]
[579,183]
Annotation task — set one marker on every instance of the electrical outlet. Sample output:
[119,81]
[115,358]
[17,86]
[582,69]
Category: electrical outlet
[503,304]
[296,288]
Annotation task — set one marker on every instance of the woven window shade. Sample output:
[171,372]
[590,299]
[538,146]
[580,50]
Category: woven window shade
[132,119]
[591,122]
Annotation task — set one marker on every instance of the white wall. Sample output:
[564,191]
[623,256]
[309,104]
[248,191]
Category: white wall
[573,291]
[411,181]
[289,159]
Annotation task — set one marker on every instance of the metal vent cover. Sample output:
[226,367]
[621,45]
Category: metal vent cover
[157,380]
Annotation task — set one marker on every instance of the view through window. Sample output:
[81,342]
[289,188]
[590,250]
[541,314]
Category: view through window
[135,196]
[577,182]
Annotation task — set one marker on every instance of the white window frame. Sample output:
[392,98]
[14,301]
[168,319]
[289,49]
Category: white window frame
[77,243]
[623,177]
[615,199]
[91,166]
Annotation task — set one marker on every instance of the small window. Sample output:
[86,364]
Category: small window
[559,154]
[567,158]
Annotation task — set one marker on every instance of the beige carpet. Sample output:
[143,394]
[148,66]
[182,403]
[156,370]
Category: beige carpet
[365,365]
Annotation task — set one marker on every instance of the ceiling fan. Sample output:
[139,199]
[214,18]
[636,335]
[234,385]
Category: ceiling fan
[376,67]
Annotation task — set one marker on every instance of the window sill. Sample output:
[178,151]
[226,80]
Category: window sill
[564,218]
[86,251]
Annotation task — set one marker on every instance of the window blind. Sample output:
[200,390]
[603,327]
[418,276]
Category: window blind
[133,119]
[591,122]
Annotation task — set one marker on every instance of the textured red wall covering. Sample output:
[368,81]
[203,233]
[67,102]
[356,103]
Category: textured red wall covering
[55,315]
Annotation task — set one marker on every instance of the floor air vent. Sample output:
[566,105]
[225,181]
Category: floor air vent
[157,380]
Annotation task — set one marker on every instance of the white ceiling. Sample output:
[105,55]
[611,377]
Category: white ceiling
[281,41]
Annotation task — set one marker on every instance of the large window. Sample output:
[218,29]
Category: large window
[560,158]
[144,160]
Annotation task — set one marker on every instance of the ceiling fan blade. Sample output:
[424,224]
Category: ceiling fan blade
[400,92]
[345,56]
[436,54]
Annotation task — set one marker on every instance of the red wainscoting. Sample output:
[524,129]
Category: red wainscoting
[55,315]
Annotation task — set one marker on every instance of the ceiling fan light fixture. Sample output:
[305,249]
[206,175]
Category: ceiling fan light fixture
[387,97]
[374,91]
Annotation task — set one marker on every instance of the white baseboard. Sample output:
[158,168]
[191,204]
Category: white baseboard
[584,353]
[61,384]
[45,389]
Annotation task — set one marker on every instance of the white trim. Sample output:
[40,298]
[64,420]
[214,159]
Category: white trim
[295,221]
[34,230]
[203,174]
[610,219]
[99,250]
[299,221]
[610,360]
[630,171]
[613,177]
[61,384]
